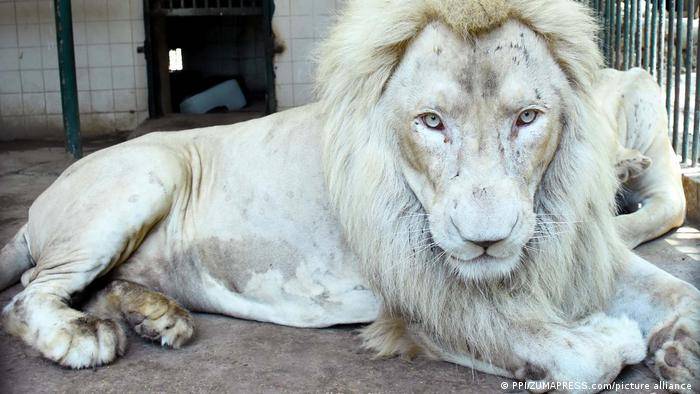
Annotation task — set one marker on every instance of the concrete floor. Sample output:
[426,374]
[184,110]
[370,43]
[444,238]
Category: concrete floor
[230,355]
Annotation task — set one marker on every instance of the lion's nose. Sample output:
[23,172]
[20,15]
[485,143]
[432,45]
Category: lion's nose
[486,244]
[485,240]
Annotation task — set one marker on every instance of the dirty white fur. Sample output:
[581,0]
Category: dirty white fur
[561,279]
[286,219]
[633,105]
[198,217]
[378,210]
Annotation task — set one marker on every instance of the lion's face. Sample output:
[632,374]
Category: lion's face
[478,121]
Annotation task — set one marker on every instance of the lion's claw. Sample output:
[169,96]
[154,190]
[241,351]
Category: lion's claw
[674,352]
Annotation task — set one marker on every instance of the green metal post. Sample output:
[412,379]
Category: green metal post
[677,74]
[618,33]
[602,19]
[652,46]
[688,74]
[609,31]
[271,101]
[660,47]
[69,88]
[647,36]
[638,38]
[634,38]
[627,39]
[669,57]
[696,118]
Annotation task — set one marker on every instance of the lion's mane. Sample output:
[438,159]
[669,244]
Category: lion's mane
[561,277]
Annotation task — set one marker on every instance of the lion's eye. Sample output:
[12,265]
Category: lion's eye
[526,117]
[433,121]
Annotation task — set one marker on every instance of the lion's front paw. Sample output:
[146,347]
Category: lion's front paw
[674,352]
[70,338]
[167,323]
[84,342]
[588,353]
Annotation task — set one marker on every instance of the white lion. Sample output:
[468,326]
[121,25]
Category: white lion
[652,194]
[455,165]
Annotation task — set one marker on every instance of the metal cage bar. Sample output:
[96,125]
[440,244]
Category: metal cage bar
[627,45]
[688,77]
[669,59]
[637,33]
[660,45]
[659,36]
[647,35]
[677,73]
[653,44]
[696,119]
[212,7]
[618,32]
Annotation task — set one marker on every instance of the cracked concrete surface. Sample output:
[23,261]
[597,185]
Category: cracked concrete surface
[231,355]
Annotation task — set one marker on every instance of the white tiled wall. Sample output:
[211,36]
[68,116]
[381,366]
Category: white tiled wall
[300,25]
[112,84]
[111,74]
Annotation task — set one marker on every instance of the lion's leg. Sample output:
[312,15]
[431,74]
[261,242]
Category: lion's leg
[44,320]
[41,314]
[591,351]
[659,191]
[76,238]
[152,315]
[658,214]
[388,336]
[668,312]
[587,352]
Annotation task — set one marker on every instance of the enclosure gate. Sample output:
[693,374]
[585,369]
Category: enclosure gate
[661,37]
[192,8]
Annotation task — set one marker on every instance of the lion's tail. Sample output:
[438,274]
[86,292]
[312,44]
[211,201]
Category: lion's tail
[14,259]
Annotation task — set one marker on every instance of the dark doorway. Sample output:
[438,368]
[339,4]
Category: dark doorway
[194,47]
